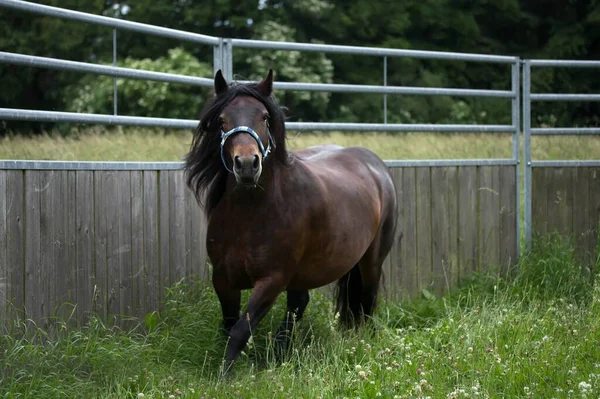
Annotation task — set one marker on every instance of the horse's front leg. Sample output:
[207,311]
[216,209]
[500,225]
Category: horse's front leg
[296,305]
[229,299]
[263,296]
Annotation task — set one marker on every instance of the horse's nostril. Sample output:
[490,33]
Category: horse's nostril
[256,162]
[237,163]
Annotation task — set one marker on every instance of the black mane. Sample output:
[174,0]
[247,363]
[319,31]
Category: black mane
[206,175]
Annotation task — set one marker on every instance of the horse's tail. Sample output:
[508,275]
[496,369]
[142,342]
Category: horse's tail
[348,298]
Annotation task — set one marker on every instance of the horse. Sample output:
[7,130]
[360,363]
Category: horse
[285,221]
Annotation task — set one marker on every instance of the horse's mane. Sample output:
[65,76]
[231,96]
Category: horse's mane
[206,175]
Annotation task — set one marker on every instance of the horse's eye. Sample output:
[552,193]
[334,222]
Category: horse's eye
[221,122]
[266,118]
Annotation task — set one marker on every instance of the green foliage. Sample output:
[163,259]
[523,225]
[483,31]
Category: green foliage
[292,66]
[146,98]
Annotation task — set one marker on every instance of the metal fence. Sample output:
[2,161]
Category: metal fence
[528,131]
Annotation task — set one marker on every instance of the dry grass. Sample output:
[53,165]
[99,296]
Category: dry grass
[137,144]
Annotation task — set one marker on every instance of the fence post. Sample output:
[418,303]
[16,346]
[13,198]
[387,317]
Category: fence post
[115,107]
[228,59]
[384,85]
[516,108]
[218,57]
[527,148]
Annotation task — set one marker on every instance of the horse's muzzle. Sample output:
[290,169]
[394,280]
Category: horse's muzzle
[247,169]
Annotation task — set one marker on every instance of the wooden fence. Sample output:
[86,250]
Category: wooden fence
[567,200]
[112,241]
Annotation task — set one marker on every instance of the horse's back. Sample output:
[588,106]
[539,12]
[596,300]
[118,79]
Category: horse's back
[358,162]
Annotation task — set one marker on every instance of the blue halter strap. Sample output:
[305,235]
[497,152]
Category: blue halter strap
[245,129]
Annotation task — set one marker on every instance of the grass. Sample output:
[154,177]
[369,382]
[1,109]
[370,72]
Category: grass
[136,144]
[490,338]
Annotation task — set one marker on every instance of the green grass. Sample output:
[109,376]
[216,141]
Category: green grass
[136,144]
[490,338]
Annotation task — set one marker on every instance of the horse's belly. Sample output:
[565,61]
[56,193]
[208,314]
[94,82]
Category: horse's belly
[319,269]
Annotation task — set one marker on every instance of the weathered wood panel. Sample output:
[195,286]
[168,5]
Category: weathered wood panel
[4,282]
[15,242]
[85,260]
[567,200]
[151,241]
[489,216]
[423,211]
[508,215]
[112,242]
[468,246]
[408,231]
[444,232]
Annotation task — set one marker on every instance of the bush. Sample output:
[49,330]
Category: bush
[94,94]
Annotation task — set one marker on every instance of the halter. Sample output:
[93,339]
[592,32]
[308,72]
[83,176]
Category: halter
[245,129]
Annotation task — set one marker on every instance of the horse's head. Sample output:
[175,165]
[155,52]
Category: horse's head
[241,132]
[245,132]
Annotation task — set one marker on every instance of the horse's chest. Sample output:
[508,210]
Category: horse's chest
[243,256]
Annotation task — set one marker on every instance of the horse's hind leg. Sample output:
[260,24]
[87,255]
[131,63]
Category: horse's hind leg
[296,305]
[228,298]
[370,265]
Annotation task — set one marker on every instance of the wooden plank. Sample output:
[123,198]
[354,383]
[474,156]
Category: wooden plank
[70,255]
[559,213]
[164,195]
[101,210]
[444,189]
[508,218]
[408,229]
[119,245]
[580,201]
[489,217]
[113,246]
[539,202]
[395,266]
[48,190]
[84,243]
[196,237]
[124,234]
[55,211]
[138,271]
[15,243]
[177,228]
[594,215]
[35,302]
[423,208]
[152,251]
[468,182]
[4,281]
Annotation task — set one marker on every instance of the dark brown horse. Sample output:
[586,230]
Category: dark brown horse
[285,221]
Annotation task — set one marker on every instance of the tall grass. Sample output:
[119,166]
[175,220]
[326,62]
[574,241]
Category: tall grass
[137,144]
[533,335]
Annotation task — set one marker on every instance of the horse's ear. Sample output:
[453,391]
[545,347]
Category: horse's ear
[265,87]
[221,85]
